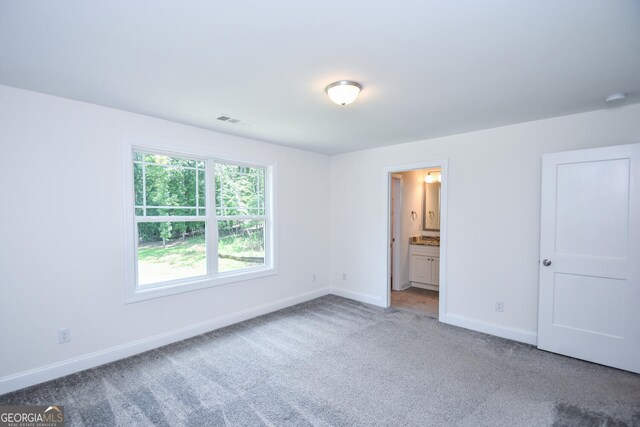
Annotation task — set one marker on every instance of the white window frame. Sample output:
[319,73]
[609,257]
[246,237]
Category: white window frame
[135,292]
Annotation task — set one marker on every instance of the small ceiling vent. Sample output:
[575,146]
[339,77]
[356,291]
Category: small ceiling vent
[228,119]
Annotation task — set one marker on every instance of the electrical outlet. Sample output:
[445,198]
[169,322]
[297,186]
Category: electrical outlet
[64,335]
[344,276]
[313,277]
[500,306]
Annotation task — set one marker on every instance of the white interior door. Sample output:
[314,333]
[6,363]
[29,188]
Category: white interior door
[589,301]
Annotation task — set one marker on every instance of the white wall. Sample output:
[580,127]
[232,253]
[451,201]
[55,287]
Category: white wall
[62,171]
[61,231]
[493,214]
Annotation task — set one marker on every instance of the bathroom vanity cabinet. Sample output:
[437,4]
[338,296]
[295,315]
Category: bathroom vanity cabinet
[424,266]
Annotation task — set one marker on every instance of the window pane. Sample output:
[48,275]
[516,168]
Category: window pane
[201,188]
[161,159]
[170,212]
[182,162]
[156,158]
[170,251]
[183,183]
[239,190]
[240,244]
[138,183]
[170,186]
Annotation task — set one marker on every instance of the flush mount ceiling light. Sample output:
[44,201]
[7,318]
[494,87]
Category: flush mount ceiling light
[343,92]
[615,98]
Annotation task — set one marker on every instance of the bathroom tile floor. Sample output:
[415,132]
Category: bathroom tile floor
[415,299]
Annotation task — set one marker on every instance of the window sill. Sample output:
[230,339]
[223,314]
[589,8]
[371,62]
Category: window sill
[146,292]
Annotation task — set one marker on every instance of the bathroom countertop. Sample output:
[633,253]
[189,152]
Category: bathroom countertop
[425,240]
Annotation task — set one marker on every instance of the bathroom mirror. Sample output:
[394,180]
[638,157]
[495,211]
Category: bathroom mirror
[431,207]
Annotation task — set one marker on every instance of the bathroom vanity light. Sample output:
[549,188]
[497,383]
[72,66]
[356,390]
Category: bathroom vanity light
[430,179]
[343,92]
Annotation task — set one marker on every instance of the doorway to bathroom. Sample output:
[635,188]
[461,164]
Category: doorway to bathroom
[417,238]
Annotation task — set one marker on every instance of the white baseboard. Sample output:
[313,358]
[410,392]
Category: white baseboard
[357,296]
[49,372]
[521,335]
[425,286]
[405,286]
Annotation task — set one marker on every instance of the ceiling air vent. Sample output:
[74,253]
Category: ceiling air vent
[228,119]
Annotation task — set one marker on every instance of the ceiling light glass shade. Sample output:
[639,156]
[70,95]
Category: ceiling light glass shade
[439,177]
[343,92]
[429,178]
[615,98]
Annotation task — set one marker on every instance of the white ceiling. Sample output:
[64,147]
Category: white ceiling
[428,68]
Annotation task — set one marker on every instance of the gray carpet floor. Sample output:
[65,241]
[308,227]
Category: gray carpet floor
[336,362]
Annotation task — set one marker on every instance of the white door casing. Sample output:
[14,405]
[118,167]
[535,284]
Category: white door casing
[589,294]
[396,230]
[443,164]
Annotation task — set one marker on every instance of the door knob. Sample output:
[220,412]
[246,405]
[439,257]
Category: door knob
[546,262]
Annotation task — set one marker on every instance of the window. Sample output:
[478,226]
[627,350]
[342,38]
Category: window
[240,215]
[198,222]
